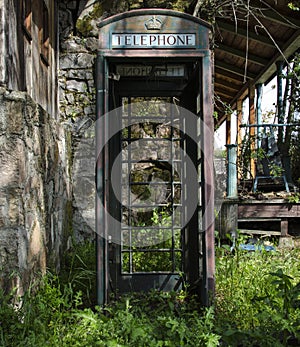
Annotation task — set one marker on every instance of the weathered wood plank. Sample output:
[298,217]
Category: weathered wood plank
[260,232]
[268,210]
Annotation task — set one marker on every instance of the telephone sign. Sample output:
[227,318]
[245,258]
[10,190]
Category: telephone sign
[146,40]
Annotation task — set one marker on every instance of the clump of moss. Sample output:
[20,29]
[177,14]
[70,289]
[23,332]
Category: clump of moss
[86,25]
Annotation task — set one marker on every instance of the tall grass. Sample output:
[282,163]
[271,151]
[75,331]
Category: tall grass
[257,301]
[256,304]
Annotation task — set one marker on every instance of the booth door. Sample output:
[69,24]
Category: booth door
[154,195]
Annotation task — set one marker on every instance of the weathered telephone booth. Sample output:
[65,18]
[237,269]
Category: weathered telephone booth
[155,191]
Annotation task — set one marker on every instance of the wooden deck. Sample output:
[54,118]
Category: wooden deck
[269,211]
[258,217]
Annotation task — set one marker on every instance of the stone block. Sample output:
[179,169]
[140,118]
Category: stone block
[79,74]
[77,86]
[92,44]
[89,110]
[72,46]
[14,123]
[286,242]
[72,5]
[77,61]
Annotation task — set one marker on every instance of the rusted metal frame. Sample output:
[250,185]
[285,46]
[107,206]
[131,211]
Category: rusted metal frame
[172,191]
[100,248]
[145,12]
[186,54]
[101,231]
[129,191]
[107,174]
[208,187]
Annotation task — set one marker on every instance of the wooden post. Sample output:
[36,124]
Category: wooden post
[239,119]
[284,227]
[259,92]
[252,130]
[228,129]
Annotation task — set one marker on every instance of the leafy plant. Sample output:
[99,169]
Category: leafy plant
[256,304]
[294,198]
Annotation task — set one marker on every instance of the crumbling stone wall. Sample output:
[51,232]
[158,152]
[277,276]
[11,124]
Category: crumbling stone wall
[35,218]
[78,113]
[77,97]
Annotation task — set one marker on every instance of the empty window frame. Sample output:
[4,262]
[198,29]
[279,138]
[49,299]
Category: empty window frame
[151,212]
[26,13]
[44,36]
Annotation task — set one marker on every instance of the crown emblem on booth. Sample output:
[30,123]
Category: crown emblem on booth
[154,23]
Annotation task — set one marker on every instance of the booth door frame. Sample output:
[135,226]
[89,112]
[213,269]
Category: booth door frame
[206,242]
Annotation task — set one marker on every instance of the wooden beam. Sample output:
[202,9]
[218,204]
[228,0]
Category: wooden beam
[242,54]
[260,232]
[289,47]
[228,84]
[273,15]
[269,70]
[229,74]
[225,84]
[233,69]
[220,103]
[224,94]
[250,34]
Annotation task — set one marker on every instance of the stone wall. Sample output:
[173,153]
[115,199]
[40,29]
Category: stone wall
[35,195]
[78,113]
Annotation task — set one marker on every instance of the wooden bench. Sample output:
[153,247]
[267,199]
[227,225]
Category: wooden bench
[283,226]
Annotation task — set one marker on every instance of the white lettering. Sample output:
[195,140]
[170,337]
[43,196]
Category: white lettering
[169,70]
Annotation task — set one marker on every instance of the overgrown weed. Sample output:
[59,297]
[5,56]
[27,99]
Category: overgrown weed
[257,304]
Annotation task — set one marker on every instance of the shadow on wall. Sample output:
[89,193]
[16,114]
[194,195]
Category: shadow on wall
[34,190]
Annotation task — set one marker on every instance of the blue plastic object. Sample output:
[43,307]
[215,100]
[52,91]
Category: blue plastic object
[251,247]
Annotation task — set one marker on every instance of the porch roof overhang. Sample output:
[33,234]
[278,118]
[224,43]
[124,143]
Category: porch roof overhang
[247,46]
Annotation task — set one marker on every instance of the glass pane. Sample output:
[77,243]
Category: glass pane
[150,107]
[125,262]
[151,238]
[151,261]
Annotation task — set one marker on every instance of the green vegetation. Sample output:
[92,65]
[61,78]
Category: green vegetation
[257,304]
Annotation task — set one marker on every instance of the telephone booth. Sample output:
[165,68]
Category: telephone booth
[155,191]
